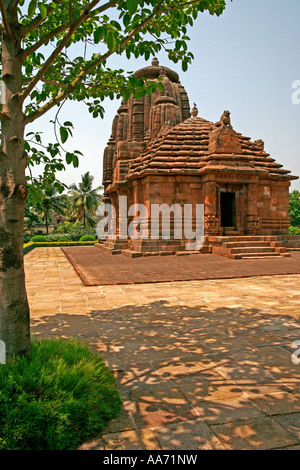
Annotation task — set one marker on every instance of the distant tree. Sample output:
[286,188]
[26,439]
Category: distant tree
[86,199]
[69,213]
[31,218]
[294,211]
[52,202]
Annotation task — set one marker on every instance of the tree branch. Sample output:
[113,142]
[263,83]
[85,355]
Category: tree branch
[56,31]
[70,12]
[53,82]
[85,14]
[43,40]
[14,5]
[58,49]
[80,77]
[4,18]
[35,23]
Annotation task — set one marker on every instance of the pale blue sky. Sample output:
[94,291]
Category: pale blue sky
[245,60]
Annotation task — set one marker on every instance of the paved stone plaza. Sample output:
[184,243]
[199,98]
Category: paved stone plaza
[199,364]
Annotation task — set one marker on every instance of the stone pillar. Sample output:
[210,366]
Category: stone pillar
[147,108]
[110,150]
[122,215]
[253,221]
[211,221]
[121,131]
[138,120]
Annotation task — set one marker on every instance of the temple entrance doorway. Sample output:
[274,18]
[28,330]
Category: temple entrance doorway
[228,209]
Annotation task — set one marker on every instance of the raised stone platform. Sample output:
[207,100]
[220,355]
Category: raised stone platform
[235,247]
[148,247]
[96,267]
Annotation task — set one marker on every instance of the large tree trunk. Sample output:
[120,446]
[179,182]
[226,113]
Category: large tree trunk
[14,310]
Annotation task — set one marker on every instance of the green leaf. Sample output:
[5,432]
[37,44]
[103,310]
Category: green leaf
[98,34]
[147,55]
[63,134]
[75,161]
[31,9]
[126,19]
[132,6]
[69,158]
[116,25]
[111,41]
[43,10]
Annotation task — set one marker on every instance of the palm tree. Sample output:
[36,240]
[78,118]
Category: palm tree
[70,211]
[52,202]
[86,199]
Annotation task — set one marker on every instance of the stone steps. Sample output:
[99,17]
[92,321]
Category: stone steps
[254,255]
[248,247]
[247,244]
[252,249]
[138,254]
[238,238]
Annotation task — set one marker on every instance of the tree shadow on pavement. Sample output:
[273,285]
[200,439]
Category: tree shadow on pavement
[193,377]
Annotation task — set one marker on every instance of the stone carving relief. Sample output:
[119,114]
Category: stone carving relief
[211,224]
[253,223]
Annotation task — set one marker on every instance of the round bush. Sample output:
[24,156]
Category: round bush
[87,238]
[63,239]
[79,232]
[57,398]
[38,238]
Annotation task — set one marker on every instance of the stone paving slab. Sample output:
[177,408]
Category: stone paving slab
[203,364]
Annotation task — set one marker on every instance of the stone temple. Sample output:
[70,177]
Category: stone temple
[161,152]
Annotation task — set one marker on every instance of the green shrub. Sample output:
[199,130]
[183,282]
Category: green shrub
[63,239]
[27,237]
[74,232]
[294,230]
[55,237]
[64,227]
[65,243]
[38,238]
[57,398]
[27,247]
[87,238]
[77,233]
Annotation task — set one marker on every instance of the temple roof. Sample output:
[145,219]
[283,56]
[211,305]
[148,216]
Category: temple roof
[155,70]
[159,134]
[184,149]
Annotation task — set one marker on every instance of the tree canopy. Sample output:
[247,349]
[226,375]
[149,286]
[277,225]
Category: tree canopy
[295,208]
[66,46]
